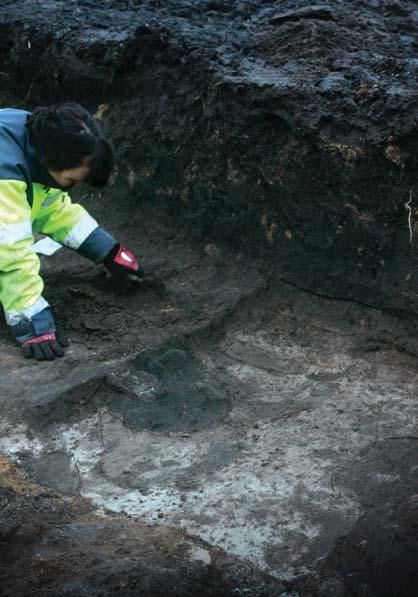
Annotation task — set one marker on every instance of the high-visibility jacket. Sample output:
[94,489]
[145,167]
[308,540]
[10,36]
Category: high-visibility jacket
[31,200]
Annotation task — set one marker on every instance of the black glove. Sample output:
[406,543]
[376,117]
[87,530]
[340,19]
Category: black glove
[122,265]
[37,336]
[44,348]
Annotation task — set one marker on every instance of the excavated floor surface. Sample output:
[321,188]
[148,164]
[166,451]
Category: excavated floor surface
[262,419]
[219,430]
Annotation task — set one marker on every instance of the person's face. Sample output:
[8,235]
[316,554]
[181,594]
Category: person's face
[71,176]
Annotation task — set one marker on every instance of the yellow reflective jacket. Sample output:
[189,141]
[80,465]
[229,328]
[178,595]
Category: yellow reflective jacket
[30,201]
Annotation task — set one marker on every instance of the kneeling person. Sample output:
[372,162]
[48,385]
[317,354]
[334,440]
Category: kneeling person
[42,155]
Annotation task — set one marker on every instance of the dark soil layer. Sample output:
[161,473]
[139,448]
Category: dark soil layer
[283,127]
[262,147]
[70,551]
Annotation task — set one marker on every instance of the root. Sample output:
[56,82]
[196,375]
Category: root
[408,207]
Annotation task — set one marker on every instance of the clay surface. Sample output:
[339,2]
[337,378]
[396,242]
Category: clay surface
[244,421]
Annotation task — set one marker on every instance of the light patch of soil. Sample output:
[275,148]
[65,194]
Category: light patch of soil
[236,422]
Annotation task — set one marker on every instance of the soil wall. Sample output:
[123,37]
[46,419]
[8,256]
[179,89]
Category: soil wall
[283,128]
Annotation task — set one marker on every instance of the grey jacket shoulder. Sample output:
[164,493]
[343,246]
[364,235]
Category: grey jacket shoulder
[14,163]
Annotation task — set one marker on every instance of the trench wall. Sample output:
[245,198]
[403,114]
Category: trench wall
[290,175]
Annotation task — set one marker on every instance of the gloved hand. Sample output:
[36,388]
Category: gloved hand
[45,347]
[122,265]
[37,336]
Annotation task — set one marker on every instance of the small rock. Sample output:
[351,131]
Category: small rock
[91,322]
[212,250]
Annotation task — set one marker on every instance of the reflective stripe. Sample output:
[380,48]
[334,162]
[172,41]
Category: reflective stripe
[80,232]
[12,233]
[51,198]
[13,317]
[46,246]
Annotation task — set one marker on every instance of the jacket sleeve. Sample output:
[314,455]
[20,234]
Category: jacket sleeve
[20,284]
[70,225]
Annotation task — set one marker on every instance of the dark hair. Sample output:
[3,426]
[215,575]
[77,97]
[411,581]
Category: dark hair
[65,134]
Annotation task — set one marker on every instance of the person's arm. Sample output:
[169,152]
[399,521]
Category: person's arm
[27,312]
[70,225]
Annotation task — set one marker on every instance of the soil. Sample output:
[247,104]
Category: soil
[244,421]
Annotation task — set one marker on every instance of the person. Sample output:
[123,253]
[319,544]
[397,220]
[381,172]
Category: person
[43,154]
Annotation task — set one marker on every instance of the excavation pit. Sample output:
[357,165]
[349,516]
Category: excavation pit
[245,422]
